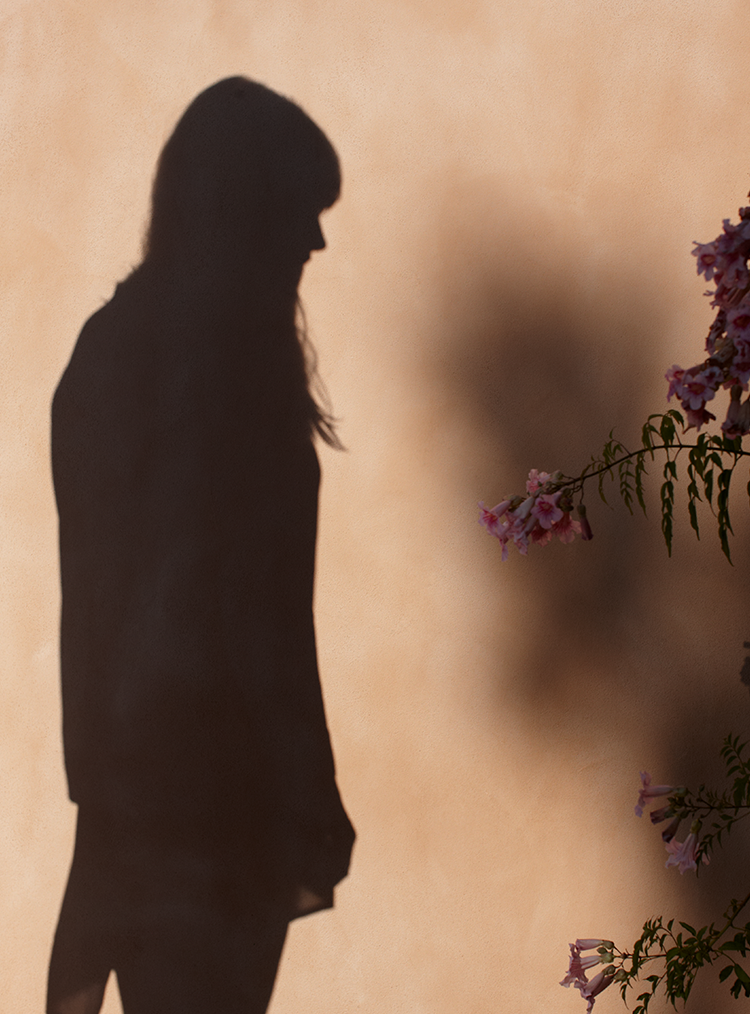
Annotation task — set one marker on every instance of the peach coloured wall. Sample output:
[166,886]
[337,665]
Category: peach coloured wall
[508,276]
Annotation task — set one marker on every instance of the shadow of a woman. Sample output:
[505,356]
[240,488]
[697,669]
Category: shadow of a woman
[186,479]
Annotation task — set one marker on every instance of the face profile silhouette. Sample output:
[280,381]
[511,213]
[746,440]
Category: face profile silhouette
[186,480]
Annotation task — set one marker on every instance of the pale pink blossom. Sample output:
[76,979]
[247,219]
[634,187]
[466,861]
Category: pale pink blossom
[698,418]
[738,321]
[675,376]
[534,519]
[725,261]
[598,984]
[566,528]
[699,386]
[535,480]
[684,854]
[649,791]
[589,943]
[540,536]
[707,259]
[576,974]
[546,511]
[490,517]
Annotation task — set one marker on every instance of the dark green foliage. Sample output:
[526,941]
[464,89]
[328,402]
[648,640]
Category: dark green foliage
[707,457]
[685,951]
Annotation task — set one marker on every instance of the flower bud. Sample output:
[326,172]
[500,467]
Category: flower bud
[586,533]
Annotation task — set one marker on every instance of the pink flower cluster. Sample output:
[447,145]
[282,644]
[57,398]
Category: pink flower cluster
[681,854]
[576,974]
[724,261]
[543,513]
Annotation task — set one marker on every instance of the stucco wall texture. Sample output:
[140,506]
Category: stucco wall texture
[508,276]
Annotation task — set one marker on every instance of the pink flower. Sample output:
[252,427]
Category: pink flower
[540,536]
[597,985]
[698,418]
[566,528]
[684,854]
[674,375]
[699,386]
[707,259]
[649,791]
[589,943]
[490,518]
[576,974]
[545,509]
[535,480]
[738,321]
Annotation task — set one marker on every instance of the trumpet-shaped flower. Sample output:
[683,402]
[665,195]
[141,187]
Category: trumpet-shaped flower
[738,320]
[649,791]
[698,418]
[684,854]
[566,528]
[598,984]
[700,386]
[674,375]
[490,517]
[707,259]
[546,511]
[578,966]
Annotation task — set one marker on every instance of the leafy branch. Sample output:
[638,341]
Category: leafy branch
[711,462]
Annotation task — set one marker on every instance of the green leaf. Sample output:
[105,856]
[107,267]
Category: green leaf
[725,973]
[742,975]
[725,544]
[667,429]
[640,468]
[694,518]
[708,484]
